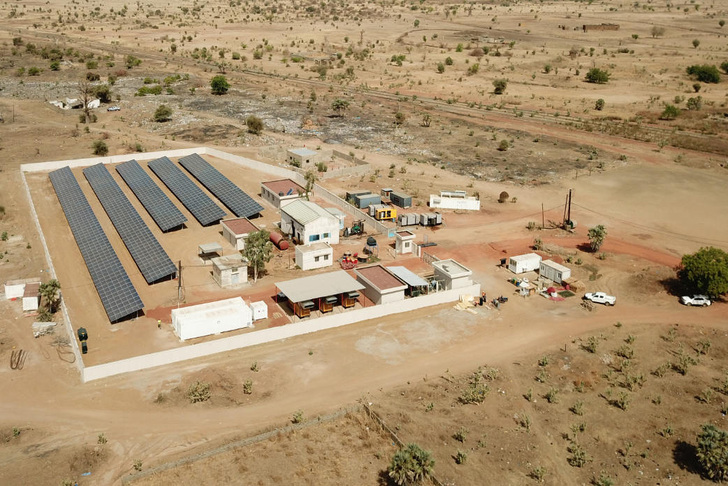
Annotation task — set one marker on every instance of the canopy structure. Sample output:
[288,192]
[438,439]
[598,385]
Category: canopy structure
[319,286]
[408,277]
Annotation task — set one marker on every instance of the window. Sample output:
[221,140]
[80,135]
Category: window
[313,238]
[326,257]
[316,259]
[326,235]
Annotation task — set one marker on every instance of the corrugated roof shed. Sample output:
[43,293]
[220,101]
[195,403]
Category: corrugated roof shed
[305,212]
[320,285]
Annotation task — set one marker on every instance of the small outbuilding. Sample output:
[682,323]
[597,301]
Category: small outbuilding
[455,200]
[380,285]
[451,274]
[211,318]
[281,192]
[315,255]
[416,285]
[363,201]
[554,271]
[15,289]
[208,251]
[400,199]
[260,310]
[527,262]
[31,297]
[302,157]
[309,223]
[230,270]
[404,242]
[236,230]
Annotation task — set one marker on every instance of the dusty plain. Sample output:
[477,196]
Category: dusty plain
[657,185]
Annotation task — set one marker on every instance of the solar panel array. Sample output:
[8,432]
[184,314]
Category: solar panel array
[231,195]
[193,198]
[113,285]
[156,202]
[150,257]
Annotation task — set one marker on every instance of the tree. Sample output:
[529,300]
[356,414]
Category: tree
[705,73]
[310,181]
[132,62]
[596,237]
[712,452]
[399,118]
[597,76]
[440,67]
[258,251]
[500,86]
[599,105]
[657,31]
[163,114]
[254,124]
[339,106]
[86,92]
[696,43]
[670,112]
[49,292]
[219,85]
[724,66]
[411,465]
[100,148]
[103,93]
[705,271]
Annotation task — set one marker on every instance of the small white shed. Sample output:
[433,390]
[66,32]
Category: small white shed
[230,270]
[260,310]
[31,297]
[236,230]
[404,242]
[527,262]
[316,255]
[554,271]
[211,318]
[281,192]
[451,274]
[15,289]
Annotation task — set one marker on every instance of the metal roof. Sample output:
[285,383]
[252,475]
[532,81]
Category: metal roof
[555,266]
[305,212]
[380,278]
[320,285]
[408,277]
[525,257]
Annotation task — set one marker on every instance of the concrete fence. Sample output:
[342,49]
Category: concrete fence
[255,338]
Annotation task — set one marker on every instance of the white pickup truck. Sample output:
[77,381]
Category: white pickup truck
[697,300]
[601,298]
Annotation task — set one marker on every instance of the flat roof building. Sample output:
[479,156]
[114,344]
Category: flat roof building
[236,230]
[451,274]
[302,156]
[230,270]
[319,292]
[281,192]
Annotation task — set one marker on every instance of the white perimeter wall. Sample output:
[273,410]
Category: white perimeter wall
[272,334]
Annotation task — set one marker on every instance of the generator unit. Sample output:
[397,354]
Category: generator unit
[430,219]
[381,212]
[408,219]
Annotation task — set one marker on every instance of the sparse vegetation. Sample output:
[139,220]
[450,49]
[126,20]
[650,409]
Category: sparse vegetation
[411,465]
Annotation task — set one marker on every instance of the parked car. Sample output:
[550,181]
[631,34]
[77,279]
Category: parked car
[113,108]
[698,300]
[601,298]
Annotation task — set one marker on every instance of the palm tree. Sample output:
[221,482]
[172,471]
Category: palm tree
[411,465]
[49,292]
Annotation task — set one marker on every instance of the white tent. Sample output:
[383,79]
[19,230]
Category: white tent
[211,318]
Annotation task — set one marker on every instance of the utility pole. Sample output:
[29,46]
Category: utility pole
[179,284]
[543,218]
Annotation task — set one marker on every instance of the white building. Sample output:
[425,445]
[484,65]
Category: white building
[554,271]
[260,310]
[404,242]
[302,156]
[309,223]
[454,200]
[281,192]
[527,262]
[315,255]
[211,318]
[230,270]
[451,274]
[236,230]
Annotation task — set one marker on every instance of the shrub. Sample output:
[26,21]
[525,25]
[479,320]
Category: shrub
[219,85]
[297,417]
[503,145]
[163,114]
[248,387]
[199,392]
[597,76]
[132,62]
[705,73]
[411,465]
[55,66]
[670,112]
[599,105]
[254,124]
[91,76]
[724,66]
[695,104]
[440,67]
[449,61]
[100,148]
[712,452]
[500,86]
[503,197]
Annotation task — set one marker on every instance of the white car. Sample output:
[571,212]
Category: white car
[113,108]
[698,300]
[601,298]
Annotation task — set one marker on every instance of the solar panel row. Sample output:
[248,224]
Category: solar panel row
[193,198]
[150,257]
[231,195]
[112,283]
[156,202]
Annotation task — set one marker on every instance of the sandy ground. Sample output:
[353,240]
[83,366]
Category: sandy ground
[657,204]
